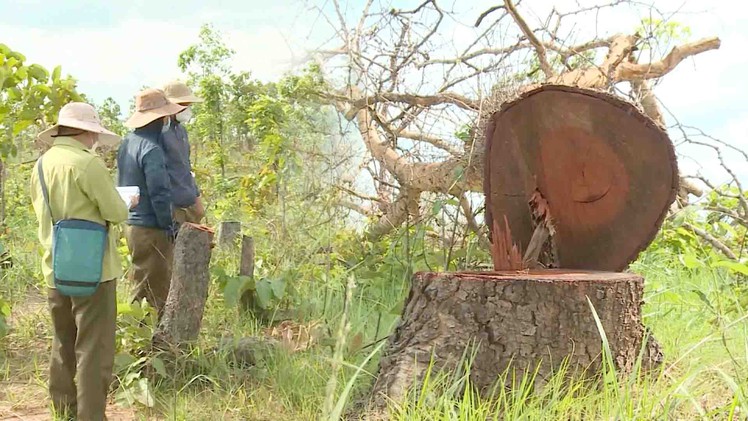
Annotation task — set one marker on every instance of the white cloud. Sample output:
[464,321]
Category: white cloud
[119,60]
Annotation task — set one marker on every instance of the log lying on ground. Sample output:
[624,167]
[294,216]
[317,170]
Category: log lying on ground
[518,321]
[184,309]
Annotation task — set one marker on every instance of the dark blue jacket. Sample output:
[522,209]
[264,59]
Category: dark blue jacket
[141,163]
[184,191]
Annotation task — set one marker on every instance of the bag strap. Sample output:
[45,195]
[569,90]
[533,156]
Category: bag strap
[45,192]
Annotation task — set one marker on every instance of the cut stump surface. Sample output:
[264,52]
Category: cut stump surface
[518,321]
[607,171]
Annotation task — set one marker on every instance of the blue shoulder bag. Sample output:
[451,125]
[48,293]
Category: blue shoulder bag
[78,248]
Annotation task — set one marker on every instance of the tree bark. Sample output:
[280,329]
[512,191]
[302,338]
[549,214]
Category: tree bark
[247,268]
[184,308]
[2,192]
[228,232]
[518,321]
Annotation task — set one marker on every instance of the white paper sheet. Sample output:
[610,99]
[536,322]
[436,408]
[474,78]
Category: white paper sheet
[128,192]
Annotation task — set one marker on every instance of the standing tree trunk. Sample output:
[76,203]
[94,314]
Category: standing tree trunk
[247,268]
[2,192]
[183,313]
[518,321]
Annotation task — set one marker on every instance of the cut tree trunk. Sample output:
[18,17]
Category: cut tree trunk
[183,313]
[228,232]
[518,321]
[606,171]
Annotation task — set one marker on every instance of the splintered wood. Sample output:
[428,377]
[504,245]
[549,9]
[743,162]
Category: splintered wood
[541,250]
[505,254]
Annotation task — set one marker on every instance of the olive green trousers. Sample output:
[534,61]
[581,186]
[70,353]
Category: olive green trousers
[80,370]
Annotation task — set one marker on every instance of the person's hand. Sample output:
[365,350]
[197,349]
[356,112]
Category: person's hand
[199,208]
[134,200]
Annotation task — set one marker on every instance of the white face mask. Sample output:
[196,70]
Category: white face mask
[185,116]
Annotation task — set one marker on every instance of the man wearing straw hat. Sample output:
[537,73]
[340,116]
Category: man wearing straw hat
[72,183]
[185,195]
[150,231]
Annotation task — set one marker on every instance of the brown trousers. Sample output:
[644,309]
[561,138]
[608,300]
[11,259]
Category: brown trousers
[151,251]
[83,345]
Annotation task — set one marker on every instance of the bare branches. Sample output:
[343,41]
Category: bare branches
[486,13]
[419,100]
[630,71]
[406,204]
[393,77]
[539,48]
[471,223]
[433,140]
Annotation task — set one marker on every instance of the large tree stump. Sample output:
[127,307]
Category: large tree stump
[183,313]
[518,321]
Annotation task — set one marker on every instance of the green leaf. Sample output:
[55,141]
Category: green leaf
[158,365]
[732,266]
[264,291]
[123,360]
[144,394]
[235,288]
[15,94]
[279,287]
[56,73]
[39,73]
[22,72]
[690,261]
[438,205]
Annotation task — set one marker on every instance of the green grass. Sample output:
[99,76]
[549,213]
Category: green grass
[695,315]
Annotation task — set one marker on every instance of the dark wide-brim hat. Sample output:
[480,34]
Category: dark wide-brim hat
[150,105]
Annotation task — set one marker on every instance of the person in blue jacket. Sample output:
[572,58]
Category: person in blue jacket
[185,195]
[150,227]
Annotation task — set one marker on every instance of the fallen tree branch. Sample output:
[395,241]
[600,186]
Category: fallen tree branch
[539,48]
[406,204]
[711,240]
[419,100]
[629,71]
[354,207]
[433,140]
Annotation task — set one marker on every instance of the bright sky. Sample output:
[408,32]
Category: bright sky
[114,47]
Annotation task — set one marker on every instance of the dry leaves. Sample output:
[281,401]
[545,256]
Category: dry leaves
[294,336]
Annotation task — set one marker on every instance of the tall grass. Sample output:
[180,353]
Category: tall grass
[696,315]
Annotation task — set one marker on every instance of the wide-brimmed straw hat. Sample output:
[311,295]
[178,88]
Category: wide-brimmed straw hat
[80,115]
[179,93]
[151,104]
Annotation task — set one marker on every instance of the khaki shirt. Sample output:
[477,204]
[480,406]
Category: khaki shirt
[80,187]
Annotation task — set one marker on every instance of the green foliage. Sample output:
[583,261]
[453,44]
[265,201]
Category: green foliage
[659,33]
[111,116]
[4,314]
[29,95]
[135,325]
